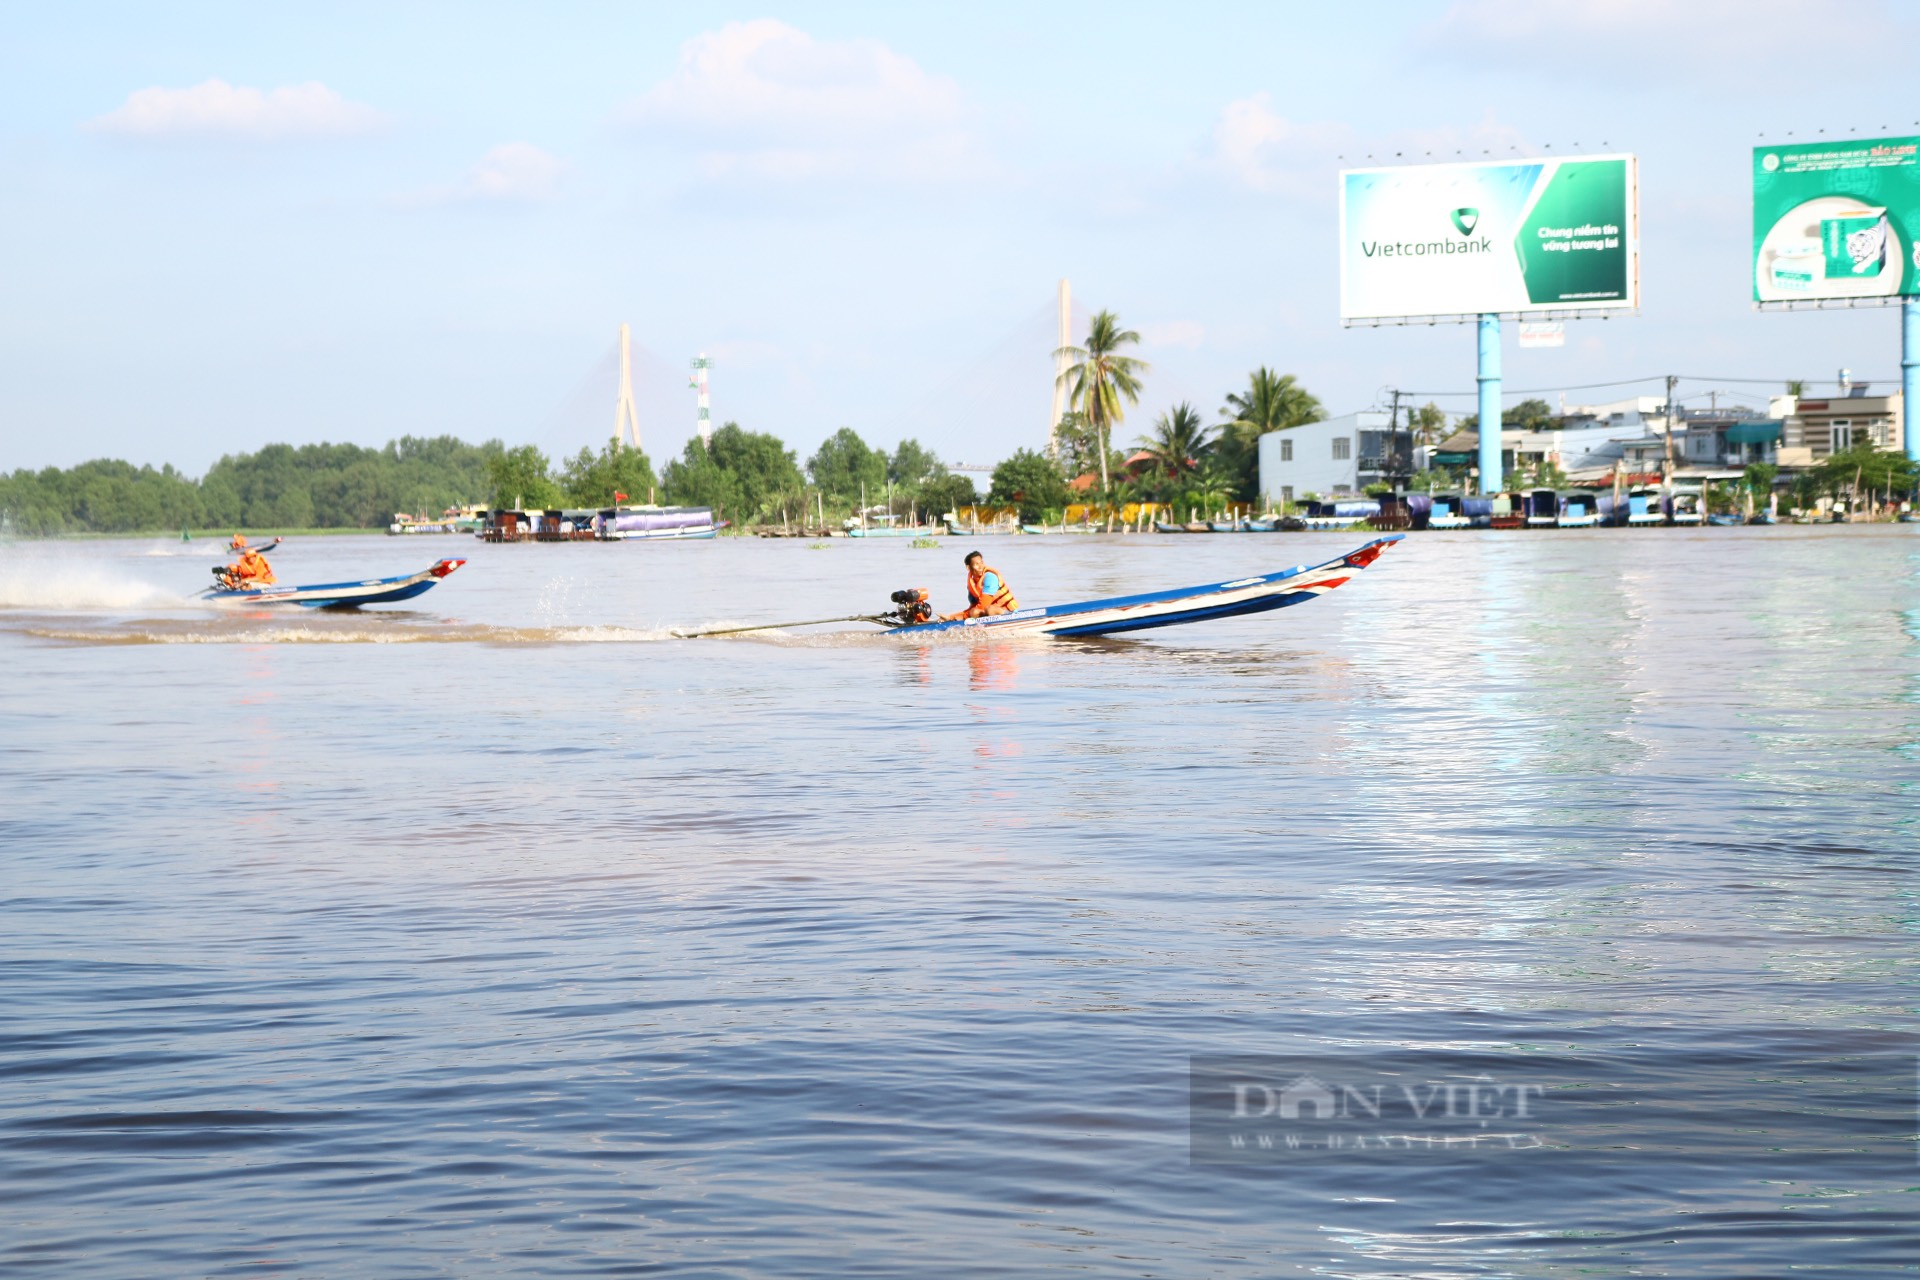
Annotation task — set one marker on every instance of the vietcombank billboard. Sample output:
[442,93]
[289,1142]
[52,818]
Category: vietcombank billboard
[1835,220]
[1506,237]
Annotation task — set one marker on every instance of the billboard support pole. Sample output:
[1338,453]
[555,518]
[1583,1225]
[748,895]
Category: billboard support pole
[1910,375]
[1490,477]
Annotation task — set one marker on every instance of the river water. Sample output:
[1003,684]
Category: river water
[499,933]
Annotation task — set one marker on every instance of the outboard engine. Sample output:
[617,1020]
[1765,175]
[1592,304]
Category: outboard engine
[913,606]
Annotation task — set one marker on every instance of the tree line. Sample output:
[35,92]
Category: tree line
[315,486]
[749,477]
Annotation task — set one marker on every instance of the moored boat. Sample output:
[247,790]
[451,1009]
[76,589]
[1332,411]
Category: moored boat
[1448,512]
[897,531]
[1644,507]
[1579,509]
[969,529]
[652,523]
[1340,513]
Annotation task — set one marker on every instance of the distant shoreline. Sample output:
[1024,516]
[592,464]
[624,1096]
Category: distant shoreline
[198,534]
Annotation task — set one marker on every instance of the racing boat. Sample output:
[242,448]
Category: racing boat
[337,595]
[1156,608]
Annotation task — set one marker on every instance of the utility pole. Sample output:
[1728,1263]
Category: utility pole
[1673,415]
[1393,441]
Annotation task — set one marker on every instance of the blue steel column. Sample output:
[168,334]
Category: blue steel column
[1910,375]
[1490,477]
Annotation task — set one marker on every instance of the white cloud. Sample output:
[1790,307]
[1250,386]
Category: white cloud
[216,109]
[511,173]
[1258,148]
[1713,38]
[1261,149]
[1174,333]
[516,171]
[765,100]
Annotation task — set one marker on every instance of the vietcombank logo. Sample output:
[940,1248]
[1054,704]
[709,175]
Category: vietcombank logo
[1464,221]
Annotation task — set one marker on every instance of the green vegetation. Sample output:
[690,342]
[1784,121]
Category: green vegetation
[520,478]
[1864,472]
[613,475]
[1076,447]
[1272,402]
[1100,379]
[1528,415]
[1178,442]
[1031,482]
[318,486]
[844,468]
[746,476]
[1428,424]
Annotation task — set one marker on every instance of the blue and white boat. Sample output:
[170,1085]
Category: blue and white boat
[1578,509]
[1341,513]
[338,595]
[1448,512]
[1241,596]
[1543,509]
[1644,507]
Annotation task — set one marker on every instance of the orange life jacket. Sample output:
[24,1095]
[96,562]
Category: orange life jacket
[1001,601]
[252,567]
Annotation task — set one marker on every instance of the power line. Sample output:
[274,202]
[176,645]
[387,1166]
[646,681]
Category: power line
[1541,391]
[1626,382]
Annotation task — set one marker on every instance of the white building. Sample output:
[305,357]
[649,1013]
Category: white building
[1338,456]
[1635,411]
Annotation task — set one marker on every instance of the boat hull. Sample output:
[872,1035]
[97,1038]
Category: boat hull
[341,595]
[1238,598]
[660,535]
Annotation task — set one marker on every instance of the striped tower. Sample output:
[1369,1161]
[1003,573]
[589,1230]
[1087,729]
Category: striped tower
[700,364]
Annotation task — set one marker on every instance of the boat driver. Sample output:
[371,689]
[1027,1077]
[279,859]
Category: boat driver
[251,569]
[987,592]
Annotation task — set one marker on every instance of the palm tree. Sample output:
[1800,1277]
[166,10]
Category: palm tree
[1179,439]
[1271,402]
[1100,378]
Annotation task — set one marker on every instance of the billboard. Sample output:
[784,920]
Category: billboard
[1836,220]
[1504,237]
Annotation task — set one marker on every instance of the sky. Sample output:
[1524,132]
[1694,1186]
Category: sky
[233,224]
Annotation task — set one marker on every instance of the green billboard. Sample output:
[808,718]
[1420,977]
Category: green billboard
[1836,220]
[1507,237]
